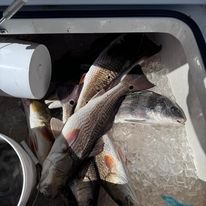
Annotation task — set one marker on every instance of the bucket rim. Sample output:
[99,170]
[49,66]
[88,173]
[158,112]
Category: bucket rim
[13,144]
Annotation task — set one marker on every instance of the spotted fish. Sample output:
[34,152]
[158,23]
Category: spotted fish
[85,185]
[81,132]
[113,175]
[66,97]
[121,54]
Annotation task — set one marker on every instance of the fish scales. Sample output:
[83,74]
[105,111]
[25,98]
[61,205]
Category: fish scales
[113,175]
[66,156]
[121,54]
[93,127]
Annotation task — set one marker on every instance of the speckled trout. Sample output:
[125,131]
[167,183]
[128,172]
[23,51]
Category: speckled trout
[81,132]
[121,54]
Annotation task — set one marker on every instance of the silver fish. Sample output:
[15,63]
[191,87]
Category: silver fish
[81,132]
[113,175]
[38,121]
[121,54]
[148,107]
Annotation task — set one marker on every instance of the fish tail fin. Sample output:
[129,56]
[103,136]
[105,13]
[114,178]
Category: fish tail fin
[136,82]
[149,47]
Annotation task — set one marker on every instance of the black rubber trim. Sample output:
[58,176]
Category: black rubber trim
[94,11]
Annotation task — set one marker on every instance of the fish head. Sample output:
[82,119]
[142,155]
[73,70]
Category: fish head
[55,169]
[69,95]
[73,97]
[167,110]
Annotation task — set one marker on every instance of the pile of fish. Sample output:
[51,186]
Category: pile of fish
[75,151]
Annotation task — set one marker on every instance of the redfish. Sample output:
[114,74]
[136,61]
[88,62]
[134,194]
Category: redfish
[85,185]
[121,54]
[82,130]
[113,175]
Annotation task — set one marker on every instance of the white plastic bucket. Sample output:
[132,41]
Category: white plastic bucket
[25,69]
[28,169]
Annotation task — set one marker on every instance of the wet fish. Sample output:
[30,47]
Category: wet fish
[81,132]
[170,201]
[85,185]
[38,121]
[121,54]
[66,98]
[149,107]
[113,175]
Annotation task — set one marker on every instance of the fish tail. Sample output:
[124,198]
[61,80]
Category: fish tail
[149,48]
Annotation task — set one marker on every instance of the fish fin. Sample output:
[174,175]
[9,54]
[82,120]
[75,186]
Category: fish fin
[136,82]
[55,104]
[56,126]
[71,135]
[98,148]
[51,98]
[149,47]
[81,81]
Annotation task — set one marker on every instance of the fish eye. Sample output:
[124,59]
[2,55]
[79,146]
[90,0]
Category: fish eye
[71,102]
[173,109]
[131,87]
[108,77]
